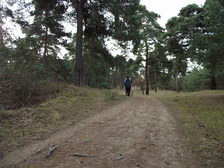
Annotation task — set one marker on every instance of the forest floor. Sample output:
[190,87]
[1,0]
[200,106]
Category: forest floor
[138,132]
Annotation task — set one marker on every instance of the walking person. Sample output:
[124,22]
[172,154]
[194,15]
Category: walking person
[127,84]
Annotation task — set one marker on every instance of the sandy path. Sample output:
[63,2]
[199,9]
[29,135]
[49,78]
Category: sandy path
[139,132]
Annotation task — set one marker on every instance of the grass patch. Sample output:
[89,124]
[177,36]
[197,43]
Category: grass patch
[73,104]
[111,95]
[201,116]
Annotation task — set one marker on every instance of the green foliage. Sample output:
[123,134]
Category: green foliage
[22,87]
[220,79]
[179,39]
[29,65]
[103,85]
[196,80]
[111,95]
[214,14]
[200,80]
[196,34]
[24,80]
[150,46]
[160,67]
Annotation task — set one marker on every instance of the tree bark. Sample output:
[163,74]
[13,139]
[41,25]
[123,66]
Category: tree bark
[213,85]
[46,63]
[155,80]
[147,69]
[177,88]
[1,33]
[78,66]
[1,37]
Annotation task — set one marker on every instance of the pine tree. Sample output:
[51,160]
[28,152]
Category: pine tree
[149,33]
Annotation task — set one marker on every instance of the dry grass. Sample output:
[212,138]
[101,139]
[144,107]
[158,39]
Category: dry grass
[201,116]
[22,126]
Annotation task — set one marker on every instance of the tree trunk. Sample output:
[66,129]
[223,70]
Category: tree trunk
[116,22]
[141,85]
[177,83]
[46,63]
[147,69]
[1,37]
[155,80]
[213,85]
[78,66]
[1,34]
[146,76]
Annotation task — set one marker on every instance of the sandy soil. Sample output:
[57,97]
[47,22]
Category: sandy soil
[139,132]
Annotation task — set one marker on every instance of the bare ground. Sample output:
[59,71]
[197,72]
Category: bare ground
[139,132]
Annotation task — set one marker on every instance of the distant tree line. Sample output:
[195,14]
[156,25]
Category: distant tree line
[30,65]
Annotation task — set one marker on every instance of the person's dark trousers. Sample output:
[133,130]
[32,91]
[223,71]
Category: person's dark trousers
[128,90]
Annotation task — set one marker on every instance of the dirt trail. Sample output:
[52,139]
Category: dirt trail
[139,132]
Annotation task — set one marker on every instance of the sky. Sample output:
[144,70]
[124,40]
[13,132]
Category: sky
[168,8]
